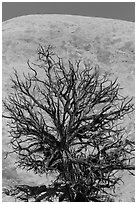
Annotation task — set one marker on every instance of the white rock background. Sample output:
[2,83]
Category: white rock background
[106,42]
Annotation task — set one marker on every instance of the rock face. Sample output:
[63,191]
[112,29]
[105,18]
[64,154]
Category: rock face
[106,42]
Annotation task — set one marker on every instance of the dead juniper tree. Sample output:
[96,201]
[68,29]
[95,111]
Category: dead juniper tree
[68,119]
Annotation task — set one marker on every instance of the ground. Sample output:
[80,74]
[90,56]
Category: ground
[106,42]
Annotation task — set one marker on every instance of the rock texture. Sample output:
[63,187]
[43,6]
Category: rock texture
[106,42]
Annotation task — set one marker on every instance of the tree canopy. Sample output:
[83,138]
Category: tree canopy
[67,119]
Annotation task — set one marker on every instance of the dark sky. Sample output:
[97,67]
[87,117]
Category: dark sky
[114,10]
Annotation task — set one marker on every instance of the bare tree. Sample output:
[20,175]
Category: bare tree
[68,120]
